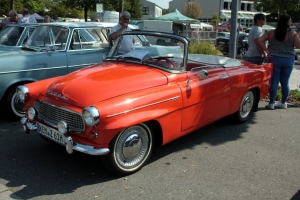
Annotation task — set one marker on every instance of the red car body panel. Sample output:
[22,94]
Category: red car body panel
[178,107]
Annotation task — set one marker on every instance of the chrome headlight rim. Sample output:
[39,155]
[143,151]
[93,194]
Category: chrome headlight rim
[22,93]
[91,116]
[31,113]
[62,127]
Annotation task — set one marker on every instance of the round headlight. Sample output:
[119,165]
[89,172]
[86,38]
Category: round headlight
[91,116]
[31,113]
[22,93]
[62,127]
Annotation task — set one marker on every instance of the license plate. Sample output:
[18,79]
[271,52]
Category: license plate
[221,43]
[50,133]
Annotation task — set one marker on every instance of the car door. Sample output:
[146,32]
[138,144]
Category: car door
[86,47]
[205,99]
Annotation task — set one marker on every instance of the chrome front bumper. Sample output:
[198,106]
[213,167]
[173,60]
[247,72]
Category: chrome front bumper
[69,143]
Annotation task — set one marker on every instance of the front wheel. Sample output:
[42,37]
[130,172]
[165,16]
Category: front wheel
[13,105]
[246,107]
[130,150]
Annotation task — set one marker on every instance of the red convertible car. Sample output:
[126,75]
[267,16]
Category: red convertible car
[154,93]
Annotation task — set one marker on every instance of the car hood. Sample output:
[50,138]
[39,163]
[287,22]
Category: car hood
[103,81]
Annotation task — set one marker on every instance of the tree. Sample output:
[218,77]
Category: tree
[5,6]
[192,9]
[34,5]
[134,8]
[215,20]
[165,11]
[278,7]
[55,8]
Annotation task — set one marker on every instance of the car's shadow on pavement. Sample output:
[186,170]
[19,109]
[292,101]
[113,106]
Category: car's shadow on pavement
[34,167]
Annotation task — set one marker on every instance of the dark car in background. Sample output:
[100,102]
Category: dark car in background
[242,46]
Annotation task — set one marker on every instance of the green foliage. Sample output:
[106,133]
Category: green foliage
[134,8]
[203,47]
[295,94]
[275,7]
[215,19]
[165,11]
[34,5]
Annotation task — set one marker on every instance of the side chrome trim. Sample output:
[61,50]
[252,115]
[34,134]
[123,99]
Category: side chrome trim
[28,70]
[224,77]
[127,111]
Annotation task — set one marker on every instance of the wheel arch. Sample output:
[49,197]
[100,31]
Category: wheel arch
[15,84]
[257,94]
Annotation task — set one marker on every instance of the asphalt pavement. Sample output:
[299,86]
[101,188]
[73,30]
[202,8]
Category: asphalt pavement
[275,174]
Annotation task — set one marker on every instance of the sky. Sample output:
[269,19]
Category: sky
[161,3]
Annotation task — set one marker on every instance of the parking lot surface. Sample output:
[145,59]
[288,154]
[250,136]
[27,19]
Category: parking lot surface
[255,160]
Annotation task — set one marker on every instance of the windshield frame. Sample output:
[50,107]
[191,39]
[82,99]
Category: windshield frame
[112,55]
[49,31]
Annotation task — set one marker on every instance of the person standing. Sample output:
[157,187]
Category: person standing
[26,19]
[255,54]
[116,31]
[282,41]
[13,18]
[47,19]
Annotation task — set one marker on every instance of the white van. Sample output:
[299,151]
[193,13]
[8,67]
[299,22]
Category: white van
[107,16]
[156,25]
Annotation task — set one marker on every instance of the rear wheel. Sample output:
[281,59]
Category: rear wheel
[130,150]
[246,107]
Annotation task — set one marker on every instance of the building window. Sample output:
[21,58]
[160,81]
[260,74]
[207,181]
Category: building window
[249,7]
[243,6]
[145,10]
[226,5]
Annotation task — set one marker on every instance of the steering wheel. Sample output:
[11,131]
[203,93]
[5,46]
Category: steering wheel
[167,64]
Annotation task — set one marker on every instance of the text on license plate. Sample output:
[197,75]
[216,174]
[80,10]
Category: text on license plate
[50,133]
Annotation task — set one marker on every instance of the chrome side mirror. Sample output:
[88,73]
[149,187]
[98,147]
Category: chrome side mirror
[203,74]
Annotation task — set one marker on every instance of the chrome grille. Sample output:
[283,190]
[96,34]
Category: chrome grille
[52,114]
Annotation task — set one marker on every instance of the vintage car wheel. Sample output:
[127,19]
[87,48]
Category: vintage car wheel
[246,107]
[243,51]
[130,150]
[13,105]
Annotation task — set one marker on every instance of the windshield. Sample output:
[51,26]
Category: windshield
[161,50]
[10,35]
[49,36]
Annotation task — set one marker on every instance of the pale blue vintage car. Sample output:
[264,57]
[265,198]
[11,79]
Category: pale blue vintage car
[53,49]
[14,36]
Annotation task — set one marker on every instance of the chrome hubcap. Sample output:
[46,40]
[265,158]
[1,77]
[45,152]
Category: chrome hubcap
[246,104]
[133,147]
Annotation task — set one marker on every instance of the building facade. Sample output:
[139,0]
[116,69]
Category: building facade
[150,9]
[246,10]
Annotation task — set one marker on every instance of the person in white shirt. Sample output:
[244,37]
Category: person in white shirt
[255,54]
[127,44]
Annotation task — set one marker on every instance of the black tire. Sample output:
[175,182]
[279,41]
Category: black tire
[129,150]
[246,107]
[12,105]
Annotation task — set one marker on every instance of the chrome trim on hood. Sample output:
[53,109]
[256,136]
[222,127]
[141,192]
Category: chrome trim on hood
[126,111]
